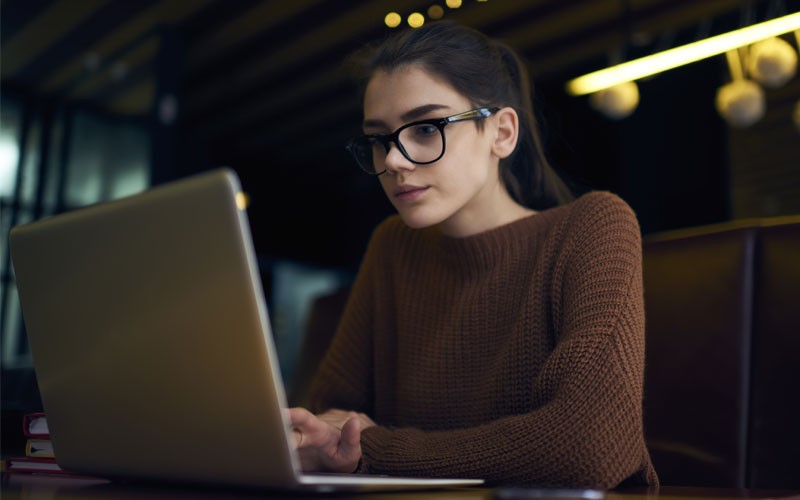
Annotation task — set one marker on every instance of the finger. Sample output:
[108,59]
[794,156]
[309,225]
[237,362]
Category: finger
[334,416]
[298,437]
[300,416]
[350,441]
[335,411]
[337,418]
[365,421]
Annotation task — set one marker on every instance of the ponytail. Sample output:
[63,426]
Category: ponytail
[526,173]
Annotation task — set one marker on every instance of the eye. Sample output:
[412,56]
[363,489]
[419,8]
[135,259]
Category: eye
[425,130]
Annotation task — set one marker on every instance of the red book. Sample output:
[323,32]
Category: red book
[29,464]
[34,425]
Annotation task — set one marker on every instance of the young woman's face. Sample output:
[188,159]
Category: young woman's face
[458,187]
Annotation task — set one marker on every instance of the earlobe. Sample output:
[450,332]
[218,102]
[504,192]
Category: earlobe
[507,132]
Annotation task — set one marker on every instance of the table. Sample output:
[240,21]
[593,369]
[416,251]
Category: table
[41,487]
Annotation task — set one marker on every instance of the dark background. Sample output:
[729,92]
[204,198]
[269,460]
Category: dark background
[257,85]
[259,88]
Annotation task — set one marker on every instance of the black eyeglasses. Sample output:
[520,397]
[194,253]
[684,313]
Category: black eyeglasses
[421,142]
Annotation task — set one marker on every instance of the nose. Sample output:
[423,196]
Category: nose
[395,161]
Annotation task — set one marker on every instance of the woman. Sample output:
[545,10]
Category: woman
[496,327]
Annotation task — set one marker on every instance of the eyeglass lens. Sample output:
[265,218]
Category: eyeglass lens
[419,143]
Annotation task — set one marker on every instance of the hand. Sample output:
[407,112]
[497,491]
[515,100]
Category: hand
[324,446]
[338,418]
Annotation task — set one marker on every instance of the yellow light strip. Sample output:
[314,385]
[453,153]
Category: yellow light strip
[679,56]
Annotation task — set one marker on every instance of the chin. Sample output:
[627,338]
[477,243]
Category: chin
[416,220]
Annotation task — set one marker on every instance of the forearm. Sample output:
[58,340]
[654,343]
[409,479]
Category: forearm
[589,435]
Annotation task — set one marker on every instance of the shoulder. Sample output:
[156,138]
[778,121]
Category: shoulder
[601,205]
[600,211]
[599,222]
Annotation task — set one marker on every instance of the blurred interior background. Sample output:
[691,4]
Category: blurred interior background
[106,98]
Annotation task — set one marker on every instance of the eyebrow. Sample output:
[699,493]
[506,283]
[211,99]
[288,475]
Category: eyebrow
[408,116]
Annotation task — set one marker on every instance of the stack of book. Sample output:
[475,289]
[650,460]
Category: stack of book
[39,455]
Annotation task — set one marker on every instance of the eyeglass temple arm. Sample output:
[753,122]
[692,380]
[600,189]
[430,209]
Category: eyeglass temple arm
[472,114]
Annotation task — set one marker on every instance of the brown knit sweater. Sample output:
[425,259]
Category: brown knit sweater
[515,355]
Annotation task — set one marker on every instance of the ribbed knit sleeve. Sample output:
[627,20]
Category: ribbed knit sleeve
[523,361]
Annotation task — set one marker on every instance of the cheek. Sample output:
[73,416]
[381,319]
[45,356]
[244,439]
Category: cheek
[469,165]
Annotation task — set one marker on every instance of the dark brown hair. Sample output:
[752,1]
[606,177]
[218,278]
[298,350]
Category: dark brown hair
[488,73]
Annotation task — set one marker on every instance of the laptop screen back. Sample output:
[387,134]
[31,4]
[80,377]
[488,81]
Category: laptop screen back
[150,338]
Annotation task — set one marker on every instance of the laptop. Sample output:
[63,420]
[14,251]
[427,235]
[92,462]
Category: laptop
[152,345]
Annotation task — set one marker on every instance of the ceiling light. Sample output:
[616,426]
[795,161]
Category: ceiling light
[415,20]
[772,62]
[435,12]
[679,56]
[453,4]
[392,20]
[741,103]
[616,102]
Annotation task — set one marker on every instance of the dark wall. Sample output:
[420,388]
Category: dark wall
[668,159]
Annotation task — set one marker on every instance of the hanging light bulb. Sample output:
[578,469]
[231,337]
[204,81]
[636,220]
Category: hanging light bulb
[616,102]
[772,62]
[741,102]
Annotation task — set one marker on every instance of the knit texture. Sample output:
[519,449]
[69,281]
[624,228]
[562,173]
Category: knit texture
[515,355]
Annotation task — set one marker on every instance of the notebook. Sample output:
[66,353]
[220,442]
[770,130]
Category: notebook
[152,345]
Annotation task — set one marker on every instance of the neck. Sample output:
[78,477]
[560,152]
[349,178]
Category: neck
[496,210]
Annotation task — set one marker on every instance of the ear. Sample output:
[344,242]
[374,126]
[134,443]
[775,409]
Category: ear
[507,132]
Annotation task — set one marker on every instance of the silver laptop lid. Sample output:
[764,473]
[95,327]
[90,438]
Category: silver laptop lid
[151,340]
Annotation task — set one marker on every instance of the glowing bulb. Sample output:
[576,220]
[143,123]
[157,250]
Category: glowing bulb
[772,62]
[416,20]
[435,12]
[616,102]
[453,4]
[741,103]
[392,19]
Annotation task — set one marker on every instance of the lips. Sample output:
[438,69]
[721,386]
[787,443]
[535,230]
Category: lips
[409,193]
